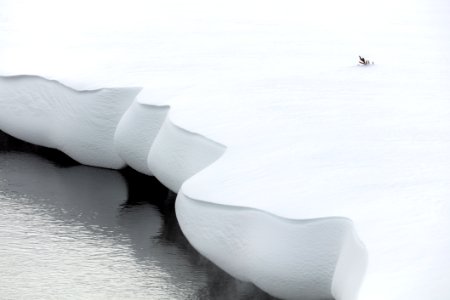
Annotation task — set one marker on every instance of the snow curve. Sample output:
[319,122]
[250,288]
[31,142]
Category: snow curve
[293,198]
[362,165]
[136,133]
[113,127]
[271,125]
[288,258]
[79,123]
[178,154]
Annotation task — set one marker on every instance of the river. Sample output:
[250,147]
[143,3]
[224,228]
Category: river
[69,231]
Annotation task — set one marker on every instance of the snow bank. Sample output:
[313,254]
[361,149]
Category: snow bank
[177,154]
[271,126]
[329,148]
[146,138]
[79,123]
[311,259]
[136,133]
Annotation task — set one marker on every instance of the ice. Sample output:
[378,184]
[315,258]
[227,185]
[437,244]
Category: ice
[296,168]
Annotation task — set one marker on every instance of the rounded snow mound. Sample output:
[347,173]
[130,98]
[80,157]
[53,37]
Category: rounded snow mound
[79,123]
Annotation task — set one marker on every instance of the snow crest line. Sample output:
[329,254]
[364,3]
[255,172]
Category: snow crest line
[312,258]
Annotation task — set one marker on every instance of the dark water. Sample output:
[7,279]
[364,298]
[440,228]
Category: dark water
[74,232]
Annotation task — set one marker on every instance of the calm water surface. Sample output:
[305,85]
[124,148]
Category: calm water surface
[75,232]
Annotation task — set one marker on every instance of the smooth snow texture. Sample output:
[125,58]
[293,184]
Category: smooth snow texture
[348,147]
[176,155]
[288,258]
[267,96]
[136,133]
[79,123]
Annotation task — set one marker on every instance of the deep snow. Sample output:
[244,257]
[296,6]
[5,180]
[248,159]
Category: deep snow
[269,98]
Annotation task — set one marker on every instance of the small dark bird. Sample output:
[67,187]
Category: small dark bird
[364,61]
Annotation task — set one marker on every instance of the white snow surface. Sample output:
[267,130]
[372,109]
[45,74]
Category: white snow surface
[79,123]
[295,168]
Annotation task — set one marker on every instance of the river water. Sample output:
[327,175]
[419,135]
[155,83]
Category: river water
[74,232]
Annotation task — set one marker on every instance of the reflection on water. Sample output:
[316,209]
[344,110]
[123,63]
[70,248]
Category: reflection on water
[71,231]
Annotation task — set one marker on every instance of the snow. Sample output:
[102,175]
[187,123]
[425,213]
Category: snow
[176,155]
[295,168]
[311,259]
[377,160]
[79,123]
[136,133]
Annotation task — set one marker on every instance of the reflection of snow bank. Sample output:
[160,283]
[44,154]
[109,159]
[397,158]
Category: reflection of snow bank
[79,123]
